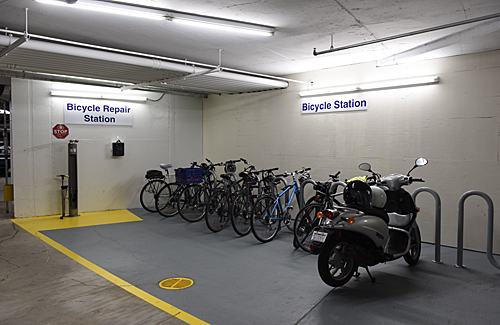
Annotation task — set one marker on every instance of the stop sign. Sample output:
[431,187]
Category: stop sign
[60,131]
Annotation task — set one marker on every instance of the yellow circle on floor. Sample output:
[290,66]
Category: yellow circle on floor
[176,283]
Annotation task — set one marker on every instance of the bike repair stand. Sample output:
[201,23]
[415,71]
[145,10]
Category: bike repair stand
[64,190]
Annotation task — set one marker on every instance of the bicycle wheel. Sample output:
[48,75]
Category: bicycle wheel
[149,192]
[166,202]
[266,220]
[217,210]
[191,203]
[241,213]
[305,223]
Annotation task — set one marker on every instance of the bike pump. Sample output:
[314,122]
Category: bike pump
[64,189]
[73,179]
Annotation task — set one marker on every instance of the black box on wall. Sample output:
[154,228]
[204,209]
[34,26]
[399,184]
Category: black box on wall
[118,149]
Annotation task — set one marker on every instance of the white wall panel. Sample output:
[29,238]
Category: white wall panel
[455,124]
[105,182]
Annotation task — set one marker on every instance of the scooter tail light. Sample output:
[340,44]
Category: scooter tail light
[328,214]
[311,247]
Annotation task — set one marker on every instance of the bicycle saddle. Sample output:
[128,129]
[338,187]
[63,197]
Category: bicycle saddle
[165,166]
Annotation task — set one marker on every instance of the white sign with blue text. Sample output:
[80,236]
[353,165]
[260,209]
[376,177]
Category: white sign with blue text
[332,104]
[97,113]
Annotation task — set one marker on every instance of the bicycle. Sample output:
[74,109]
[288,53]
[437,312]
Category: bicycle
[307,219]
[192,200]
[242,206]
[155,182]
[167,197]
[268,212]
[218,208]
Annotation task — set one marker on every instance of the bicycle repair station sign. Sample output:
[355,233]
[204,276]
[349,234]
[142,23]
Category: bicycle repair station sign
[332,105]
[98,113]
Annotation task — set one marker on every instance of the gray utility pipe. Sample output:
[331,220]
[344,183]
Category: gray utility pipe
[422,31]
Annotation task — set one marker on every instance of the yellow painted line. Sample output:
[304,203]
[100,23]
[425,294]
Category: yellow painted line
[36,224]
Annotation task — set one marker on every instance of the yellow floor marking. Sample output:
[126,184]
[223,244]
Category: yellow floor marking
[36,224]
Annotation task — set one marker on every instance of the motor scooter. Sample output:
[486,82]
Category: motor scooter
[376,224]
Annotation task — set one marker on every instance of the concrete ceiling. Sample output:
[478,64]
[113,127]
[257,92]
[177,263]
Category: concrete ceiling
[300,26]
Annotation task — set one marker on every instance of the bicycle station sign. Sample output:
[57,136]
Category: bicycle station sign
[333,104]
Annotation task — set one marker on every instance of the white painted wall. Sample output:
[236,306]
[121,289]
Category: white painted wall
[455,124]
[168,130]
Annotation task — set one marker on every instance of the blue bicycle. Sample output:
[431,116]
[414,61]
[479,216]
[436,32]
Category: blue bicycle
[269,213]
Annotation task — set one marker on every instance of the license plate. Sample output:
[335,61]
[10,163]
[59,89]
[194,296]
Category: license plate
[319,236]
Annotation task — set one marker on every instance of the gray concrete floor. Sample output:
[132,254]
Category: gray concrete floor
[237,280]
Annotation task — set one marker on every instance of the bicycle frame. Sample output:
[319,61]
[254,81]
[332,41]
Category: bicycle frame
[278,204]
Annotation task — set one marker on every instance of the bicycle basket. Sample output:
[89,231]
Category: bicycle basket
[153,174]
[189,175]
[230,167]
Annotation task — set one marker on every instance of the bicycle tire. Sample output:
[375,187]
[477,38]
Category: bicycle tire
[166,204]
[191,203]
[149,192]
[304,225]
[241,214]
[217,210]
[265,221]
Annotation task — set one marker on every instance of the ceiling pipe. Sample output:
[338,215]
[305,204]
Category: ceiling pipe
[422,31]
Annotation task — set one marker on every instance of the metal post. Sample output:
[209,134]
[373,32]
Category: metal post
[460,239]
[437,217]
[6,151]
[73,178]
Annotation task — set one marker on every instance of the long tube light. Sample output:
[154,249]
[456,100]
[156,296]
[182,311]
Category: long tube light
[377,85]
[74,94]
[109,8]
[226,25]
[177,17]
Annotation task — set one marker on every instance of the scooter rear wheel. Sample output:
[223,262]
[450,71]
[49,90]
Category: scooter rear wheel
[335,267]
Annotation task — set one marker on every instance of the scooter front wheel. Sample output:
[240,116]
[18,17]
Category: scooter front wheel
[413,254]
[335,267]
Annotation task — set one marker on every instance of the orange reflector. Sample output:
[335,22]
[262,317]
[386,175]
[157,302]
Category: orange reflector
[350,220]
[319,214]
[418,209]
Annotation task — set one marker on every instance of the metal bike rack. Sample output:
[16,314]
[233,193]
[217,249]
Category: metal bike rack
[460,241]
[437,231]
[335,185]
[332,190]
[302,186]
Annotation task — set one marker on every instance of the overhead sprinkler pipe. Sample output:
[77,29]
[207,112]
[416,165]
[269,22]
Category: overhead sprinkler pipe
[417,32]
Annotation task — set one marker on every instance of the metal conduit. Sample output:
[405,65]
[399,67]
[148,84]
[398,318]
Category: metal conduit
[422,31]
[460,238]
[437,218]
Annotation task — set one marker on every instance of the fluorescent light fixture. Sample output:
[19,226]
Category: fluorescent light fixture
[377,85]
[159,14]
[110,8]
[226,25]
[74,94]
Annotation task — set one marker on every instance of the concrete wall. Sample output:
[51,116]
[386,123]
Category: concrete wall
[455,124]
[168,130]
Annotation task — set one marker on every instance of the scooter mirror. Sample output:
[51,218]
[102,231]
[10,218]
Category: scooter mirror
[365,167]
[421,161]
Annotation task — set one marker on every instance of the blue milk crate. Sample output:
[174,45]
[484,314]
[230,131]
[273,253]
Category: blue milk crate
[189,175]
